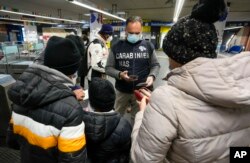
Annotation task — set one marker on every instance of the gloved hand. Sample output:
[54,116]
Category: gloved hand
[150,81]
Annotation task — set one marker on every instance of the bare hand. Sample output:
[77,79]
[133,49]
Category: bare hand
[124,76]
[79,93]
[143,103]
[150,81]
[146,96]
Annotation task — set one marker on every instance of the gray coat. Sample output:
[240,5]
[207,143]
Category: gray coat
[201,111]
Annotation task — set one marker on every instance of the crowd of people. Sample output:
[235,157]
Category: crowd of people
[201,111]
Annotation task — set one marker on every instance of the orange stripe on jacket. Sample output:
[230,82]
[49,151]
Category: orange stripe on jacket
[43,142]
[71,145]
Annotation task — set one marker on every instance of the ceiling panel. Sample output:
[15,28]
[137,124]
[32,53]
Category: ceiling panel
[147,9]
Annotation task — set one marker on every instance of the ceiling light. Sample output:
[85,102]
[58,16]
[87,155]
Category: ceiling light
[87,14]
[33,21]
[178,7]
[39,16]
[230,28]
[121,13]
[229,40]
[95,9]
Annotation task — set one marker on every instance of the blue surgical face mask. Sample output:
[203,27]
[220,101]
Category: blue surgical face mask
[133,38]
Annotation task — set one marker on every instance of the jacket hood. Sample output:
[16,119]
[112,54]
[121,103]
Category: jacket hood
[99,125]
[99,37]
[221,82]
[38,86]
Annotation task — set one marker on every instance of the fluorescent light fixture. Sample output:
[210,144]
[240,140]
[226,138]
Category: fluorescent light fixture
[230,28]
[229,40]
[87,14]
[95,9]
[23,20]
[121,13]
[39,16]
[64,28]
[178,7]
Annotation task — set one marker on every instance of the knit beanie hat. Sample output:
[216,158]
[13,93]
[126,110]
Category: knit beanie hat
[101,94]
[195,35]
[78,41]
[189,39]
[210,11]
[106,29]
[62,54]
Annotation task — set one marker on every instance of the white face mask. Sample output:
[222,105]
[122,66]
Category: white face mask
[110,39]
[74,78]
[133,38]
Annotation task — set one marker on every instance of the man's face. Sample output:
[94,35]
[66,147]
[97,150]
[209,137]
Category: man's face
[134,28]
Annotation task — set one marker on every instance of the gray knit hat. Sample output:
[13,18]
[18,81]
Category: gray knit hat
[190,38]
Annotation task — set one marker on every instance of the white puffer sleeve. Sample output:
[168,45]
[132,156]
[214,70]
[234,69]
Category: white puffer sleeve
[154,131]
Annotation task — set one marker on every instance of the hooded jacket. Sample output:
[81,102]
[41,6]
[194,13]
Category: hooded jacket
[202,111]
[46,122]
[108,137]
[97,52]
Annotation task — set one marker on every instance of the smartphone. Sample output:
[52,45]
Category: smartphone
[133,77]
[141,85]
[138,95]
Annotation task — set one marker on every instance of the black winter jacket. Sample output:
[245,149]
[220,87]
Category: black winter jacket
[46,122]
[108,137]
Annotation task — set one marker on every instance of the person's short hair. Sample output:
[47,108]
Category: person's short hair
[133,19]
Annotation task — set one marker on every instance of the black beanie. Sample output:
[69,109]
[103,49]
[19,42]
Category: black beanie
[62,54]
[189,39]
[209,11]
[101,95]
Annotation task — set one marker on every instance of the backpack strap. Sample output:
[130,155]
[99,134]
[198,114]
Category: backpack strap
[95,41]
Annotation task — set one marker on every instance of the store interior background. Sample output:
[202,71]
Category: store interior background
[157,16]
[23,36]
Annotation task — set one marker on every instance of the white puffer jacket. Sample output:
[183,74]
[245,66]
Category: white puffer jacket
[201,111]
[97,56]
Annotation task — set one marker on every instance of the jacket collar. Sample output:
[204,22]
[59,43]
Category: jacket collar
[55,74]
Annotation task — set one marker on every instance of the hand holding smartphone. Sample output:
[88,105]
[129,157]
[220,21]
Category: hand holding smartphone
[133,77]
[140,85]
[139,94]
